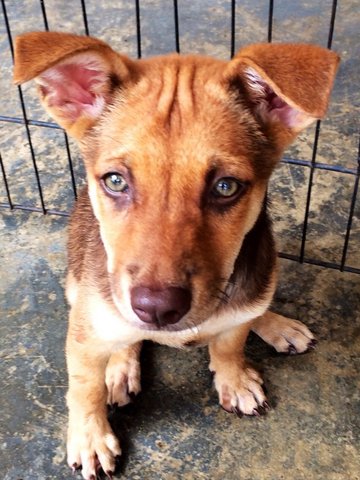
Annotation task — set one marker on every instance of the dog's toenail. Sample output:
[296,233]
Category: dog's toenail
[266,406]
[262,410]
[75,467]
[256,412]
[312,344]
[292,350]
[109,474]
[237,412]
[132,396]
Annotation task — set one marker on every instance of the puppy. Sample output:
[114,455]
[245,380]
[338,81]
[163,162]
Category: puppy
[170,240]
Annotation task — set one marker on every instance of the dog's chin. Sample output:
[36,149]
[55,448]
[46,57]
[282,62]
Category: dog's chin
[155,327]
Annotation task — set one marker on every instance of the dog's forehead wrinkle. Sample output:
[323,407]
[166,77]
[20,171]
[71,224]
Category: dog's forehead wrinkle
[175,84]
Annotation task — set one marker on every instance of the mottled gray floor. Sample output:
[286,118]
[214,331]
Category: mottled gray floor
[175,429]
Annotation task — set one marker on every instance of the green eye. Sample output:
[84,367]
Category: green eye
[115,183]
[226,187]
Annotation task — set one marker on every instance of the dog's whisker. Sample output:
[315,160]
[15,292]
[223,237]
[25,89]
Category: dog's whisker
[223,292]
[223,299]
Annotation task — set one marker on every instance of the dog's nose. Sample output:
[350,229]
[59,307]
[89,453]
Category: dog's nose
[161,307]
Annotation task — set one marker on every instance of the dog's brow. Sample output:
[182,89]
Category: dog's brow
[118,159]
[120,155]
[238,166]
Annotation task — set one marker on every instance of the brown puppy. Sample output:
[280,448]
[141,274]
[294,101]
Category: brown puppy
[170,241]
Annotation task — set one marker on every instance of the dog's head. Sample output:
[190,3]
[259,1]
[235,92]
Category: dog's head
[178,151]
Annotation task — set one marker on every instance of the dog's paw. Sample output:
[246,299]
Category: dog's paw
[240,390]
[284,334]
[122,379]
[91,446]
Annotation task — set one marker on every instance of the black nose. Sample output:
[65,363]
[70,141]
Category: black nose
[160,307]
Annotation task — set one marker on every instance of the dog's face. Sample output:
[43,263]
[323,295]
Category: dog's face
[174,185]
[178,152]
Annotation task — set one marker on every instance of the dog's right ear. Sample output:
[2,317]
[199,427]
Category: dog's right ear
[76,75]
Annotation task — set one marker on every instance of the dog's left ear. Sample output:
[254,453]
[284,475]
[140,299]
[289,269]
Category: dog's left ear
[288,85]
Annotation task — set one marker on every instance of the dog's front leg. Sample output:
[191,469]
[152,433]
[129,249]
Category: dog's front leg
[238,385]
[91,442]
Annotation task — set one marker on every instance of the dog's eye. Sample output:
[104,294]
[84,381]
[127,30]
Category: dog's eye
[226,187]
[115,183]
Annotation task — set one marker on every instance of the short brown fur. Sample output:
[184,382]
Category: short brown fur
[173,129]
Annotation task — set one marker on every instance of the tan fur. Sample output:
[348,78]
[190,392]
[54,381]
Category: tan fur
[239,385]
[167,124]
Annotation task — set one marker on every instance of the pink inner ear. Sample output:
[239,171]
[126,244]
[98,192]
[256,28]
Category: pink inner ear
[279,109]
[74,88]
[270,105]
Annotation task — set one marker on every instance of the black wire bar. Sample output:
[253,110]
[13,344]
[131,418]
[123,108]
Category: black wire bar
[351,214]
[176,26]
[85,19]
[10,203]
[319,263]
[270,20]
[138,27]
[232,28]
[67,146]
[43,10]
[316,141]
[28,208]
[23,108]
[36,123]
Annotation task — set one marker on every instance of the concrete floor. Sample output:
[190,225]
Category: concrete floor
[175,429]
